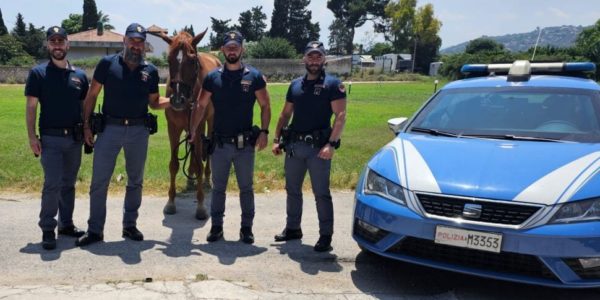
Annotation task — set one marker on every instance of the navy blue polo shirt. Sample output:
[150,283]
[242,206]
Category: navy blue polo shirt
[233,98]
[126,91]
[60,93]
[312,101]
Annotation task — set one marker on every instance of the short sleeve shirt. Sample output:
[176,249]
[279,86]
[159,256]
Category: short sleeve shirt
[312,102]
[126,91]
[60,93]
[233,97]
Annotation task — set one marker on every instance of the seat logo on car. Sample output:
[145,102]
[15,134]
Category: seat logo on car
[472,211]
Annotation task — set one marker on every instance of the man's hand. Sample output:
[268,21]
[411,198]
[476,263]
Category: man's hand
[35,145]
[261,143]
[326,152]
[88,137]
[192,137]
[276,150]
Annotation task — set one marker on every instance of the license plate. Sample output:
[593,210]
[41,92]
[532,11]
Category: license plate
[471,239]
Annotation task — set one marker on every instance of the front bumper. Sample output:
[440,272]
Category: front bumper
[546,255]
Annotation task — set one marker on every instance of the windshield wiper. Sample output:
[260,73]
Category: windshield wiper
[516,137]
[434,132]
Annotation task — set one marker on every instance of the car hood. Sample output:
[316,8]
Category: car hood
[527,171]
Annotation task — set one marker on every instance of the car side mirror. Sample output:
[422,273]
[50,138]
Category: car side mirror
[397,124]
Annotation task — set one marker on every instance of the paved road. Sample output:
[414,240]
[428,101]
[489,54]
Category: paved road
[175,262]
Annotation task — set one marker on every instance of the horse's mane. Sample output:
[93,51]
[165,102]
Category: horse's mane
[182,40]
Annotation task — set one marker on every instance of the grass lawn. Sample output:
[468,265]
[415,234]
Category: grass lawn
[370,105]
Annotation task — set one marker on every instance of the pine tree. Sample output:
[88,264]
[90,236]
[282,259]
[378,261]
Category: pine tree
[20,30]
[251,24]
[3,29]
[280,19]
[90,15]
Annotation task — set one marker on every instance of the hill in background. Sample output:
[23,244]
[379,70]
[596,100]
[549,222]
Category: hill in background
[559,36]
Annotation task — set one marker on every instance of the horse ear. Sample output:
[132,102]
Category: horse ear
[198,38]
[162,35]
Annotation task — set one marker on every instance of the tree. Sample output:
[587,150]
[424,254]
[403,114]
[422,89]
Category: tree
[280,19]
[380,49]
[426,29]
[105,19]
[483,45]
[11,51]
[189,30]
[292,21]
[72,24]
[3,29]
[33,42]
[251,24]
[20,30]
[588,44]
[356,13]
[90,15]
[219,28]
[339,37]
[272,48]
[399,27]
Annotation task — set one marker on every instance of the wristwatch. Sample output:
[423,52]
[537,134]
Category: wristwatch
[335,144]
[266,131]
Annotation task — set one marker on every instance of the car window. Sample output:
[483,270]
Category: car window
[566,114]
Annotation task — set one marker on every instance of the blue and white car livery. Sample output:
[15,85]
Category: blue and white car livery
[496,176]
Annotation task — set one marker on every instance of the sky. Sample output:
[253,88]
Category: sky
[462,20]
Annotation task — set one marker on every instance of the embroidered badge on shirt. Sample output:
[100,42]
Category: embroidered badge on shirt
[246,85]
[145,76]
[76,82]
[318,89]
[342,88]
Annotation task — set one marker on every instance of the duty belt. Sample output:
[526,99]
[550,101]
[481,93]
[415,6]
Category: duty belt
[307,138]
[57,131]
[125,121]
[226,139]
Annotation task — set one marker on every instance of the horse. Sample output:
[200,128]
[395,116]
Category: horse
[187,70]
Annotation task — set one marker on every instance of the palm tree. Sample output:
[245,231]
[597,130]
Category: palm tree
[105,19]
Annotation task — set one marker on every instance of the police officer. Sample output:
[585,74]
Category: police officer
[233,89]
[60,89]
[130,86]
[310,142]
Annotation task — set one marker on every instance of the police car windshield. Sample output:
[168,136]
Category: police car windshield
[533,114]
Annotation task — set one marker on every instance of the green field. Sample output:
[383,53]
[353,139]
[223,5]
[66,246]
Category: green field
[369,107]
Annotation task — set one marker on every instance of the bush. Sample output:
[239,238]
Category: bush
[21,61]
[272,48]
[89,62]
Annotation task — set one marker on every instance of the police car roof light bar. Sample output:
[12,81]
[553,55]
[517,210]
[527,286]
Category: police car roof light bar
[521,70]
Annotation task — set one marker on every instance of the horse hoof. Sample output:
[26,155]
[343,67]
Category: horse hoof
[201,214]
[169,209]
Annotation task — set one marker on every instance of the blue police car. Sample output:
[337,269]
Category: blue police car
[497,175]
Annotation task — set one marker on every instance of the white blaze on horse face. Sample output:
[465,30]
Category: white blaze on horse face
[179,56]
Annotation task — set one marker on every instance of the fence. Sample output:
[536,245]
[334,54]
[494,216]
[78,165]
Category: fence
[279,68]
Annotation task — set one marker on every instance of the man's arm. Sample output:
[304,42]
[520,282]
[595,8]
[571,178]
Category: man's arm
[30,119]
[284,118]
[198,112]
[155,101]
[88,107]
[338,107]
[262,96]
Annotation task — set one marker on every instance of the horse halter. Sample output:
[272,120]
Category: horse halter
[181,91]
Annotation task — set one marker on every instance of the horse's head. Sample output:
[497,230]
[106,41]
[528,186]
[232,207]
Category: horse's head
[184,68]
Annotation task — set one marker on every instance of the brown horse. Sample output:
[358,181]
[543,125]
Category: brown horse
[187,70]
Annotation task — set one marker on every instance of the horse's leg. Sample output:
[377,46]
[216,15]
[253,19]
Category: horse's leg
[174,134]
[196,162]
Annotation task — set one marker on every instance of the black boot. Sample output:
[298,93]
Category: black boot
[133,233]
[246,235]
[289,234]
[71,231]
[215,234]
[48,240]
[324,244]
[89,238]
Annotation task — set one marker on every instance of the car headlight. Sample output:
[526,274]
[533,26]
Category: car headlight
[580,211]
[378,185]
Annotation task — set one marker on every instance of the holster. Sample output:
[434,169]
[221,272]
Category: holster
[78,132]
[285,138]
[321,137]
[208,146]
[151,123]
[97,123]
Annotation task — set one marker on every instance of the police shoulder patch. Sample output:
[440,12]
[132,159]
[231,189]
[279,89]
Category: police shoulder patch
[342,88]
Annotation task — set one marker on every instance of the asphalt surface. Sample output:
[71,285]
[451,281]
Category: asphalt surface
[175,262]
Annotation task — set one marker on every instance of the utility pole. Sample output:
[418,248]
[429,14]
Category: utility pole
[414,56]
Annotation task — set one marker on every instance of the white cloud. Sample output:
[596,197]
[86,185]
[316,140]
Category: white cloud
[559,13]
